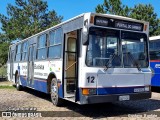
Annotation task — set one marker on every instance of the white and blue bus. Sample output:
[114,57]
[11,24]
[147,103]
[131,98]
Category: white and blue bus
[154,45]
[91,58]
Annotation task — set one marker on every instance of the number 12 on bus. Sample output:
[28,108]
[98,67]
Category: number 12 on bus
[91,58]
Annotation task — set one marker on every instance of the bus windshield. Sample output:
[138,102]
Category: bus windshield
[134,48]
[103,47]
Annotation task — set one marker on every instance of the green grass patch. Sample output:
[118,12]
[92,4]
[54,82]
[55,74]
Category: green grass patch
[3,71]
[6,87]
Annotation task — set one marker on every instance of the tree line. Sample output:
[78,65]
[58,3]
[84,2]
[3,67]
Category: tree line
[25,18]
[28,17]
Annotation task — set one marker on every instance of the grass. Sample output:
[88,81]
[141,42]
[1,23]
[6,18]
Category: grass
[6,87]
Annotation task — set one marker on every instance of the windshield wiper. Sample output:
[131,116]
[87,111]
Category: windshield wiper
[134,61]
[110,60]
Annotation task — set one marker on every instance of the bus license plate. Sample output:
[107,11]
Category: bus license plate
[139,90]
[124,97]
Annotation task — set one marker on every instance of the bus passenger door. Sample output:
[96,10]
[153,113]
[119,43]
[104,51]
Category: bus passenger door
[31,56]
[11,64]
[70,65]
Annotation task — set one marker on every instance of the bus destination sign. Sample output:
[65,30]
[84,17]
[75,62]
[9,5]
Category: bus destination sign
[115,23]
[128,25]
[101,21]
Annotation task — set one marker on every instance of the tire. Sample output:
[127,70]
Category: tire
[54,93]
[18,86]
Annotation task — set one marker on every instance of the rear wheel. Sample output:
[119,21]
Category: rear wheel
[54,93]
[18,86]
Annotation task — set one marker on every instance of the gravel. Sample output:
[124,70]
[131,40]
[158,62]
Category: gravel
[141,109]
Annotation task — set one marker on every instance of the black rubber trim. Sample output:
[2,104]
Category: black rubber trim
[113,98]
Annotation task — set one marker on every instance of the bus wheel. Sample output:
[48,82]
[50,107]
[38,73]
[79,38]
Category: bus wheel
[18,86]
[54,93]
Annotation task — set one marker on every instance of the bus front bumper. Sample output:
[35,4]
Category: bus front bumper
[114,97]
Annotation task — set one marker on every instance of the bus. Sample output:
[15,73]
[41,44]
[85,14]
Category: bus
[154,46]
[91,58]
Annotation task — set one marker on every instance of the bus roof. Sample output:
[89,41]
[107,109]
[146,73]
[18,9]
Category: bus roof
[81,15]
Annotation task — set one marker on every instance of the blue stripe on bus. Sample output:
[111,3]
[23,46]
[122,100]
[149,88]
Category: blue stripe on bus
[116,90]
[23,80]
[60,92]
[156,73]
[40,85]
[155,80]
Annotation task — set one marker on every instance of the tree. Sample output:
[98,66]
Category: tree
[3,53]
[3,38]
[114,7]
[146,13]
[140,12]
[28,17]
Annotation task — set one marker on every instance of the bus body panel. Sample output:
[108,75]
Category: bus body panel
[8,71]
[155,65]
[114,82]
[41,72]
[43,68]
[155,60]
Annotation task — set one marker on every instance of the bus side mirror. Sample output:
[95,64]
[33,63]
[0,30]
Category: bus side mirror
[85,33]
[85,38]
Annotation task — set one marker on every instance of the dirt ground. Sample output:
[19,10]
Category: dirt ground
[34,101]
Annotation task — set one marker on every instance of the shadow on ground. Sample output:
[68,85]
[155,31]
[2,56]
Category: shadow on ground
[106,109]
[155,89]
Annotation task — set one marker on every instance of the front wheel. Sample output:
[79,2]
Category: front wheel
[18,86]
[54,93]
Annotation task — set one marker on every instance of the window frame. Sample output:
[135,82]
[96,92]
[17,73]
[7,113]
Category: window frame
[16,59]
[26,52]
[40,48]
[145,47]
[118,47]
[54,42]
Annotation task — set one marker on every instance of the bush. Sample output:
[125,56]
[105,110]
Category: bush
[3,71]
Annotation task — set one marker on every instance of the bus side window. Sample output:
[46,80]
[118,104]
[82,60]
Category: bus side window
[42,48]
[18,53]
[55,43]
[24,51]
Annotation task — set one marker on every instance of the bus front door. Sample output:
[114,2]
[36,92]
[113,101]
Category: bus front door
[31,56]
[71,65]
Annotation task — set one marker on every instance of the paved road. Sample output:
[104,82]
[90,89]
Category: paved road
[141,109]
